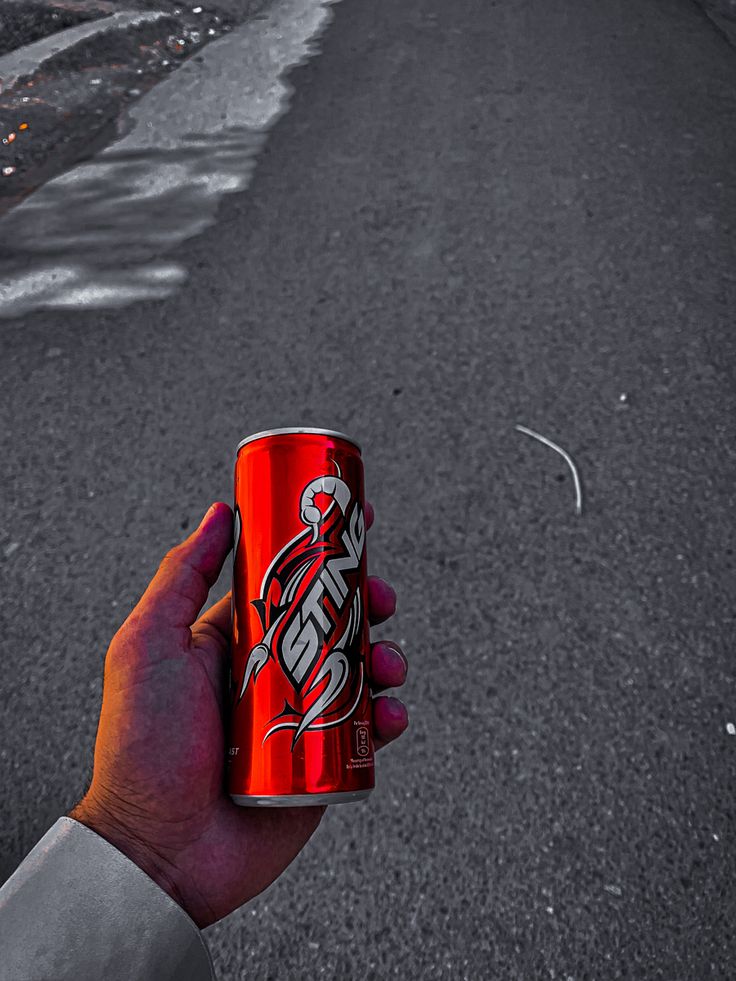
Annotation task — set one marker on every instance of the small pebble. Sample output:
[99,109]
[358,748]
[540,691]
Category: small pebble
[7,171]
[95,81]
[731,729]
[9,549]
[196,10]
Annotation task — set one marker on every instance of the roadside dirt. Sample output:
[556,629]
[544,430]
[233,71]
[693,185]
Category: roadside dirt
[74,103]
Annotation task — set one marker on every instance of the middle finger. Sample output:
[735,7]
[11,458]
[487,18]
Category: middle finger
[387,666]
[381,600]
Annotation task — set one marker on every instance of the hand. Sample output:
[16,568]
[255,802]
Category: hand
[157,791]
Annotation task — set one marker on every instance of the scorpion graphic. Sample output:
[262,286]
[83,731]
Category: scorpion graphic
[311,613]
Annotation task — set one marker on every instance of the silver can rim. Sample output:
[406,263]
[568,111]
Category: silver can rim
[286,432]
[301,800]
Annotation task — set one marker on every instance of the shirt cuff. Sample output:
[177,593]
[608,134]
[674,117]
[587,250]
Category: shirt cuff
[76,907]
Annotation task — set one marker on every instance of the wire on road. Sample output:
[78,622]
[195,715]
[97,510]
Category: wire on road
[568,458]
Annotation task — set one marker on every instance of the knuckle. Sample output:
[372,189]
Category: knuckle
[173,556]
[137,625]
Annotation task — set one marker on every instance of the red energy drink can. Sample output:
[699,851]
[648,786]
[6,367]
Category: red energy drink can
[300,707]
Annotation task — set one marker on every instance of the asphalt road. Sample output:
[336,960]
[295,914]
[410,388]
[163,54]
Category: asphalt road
[474,215]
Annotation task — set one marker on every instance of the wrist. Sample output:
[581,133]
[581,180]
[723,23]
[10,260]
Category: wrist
[104,824]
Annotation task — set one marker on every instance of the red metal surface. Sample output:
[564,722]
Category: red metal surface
[300,711]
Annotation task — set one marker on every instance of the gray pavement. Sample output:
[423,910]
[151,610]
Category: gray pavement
[473,216]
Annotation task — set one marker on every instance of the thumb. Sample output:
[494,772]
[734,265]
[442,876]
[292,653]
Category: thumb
[188,571]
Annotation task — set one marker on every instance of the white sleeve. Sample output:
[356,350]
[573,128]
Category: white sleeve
[77,908]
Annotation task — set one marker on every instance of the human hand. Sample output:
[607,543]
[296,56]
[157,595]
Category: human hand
[157,791]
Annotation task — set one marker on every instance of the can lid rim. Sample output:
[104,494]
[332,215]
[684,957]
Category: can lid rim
[285,432]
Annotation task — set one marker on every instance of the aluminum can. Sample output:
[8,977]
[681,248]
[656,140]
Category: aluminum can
[299,727]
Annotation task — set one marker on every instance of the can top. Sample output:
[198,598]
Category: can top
[284,432]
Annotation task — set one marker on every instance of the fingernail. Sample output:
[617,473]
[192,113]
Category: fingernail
[397,709]
[398,656]
[208,514]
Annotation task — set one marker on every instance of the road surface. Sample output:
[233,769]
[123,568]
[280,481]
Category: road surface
[474,215]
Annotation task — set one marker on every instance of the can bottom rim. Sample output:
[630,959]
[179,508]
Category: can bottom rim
[299,800]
